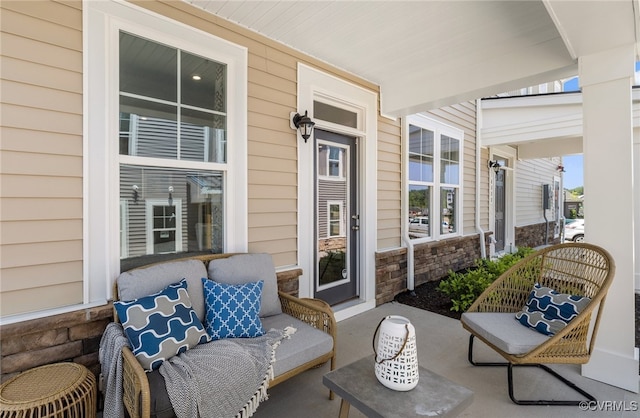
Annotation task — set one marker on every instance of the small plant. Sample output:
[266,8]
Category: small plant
[464,287]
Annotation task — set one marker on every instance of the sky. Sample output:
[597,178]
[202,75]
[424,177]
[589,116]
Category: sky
[573,164]
[573,171]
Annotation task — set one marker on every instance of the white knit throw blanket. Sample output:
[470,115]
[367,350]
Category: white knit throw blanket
[223,378]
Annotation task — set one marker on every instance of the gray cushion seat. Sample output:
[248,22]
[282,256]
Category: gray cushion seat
[306,344]
[504,331]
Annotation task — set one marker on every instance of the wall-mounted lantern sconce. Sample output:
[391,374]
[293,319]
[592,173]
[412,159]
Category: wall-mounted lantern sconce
[561,169]
[302,123]
[135,193]
[170,195]
[495,165]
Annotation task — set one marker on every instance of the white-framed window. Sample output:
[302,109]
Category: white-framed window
[164,143]
[335,218]
[434,178]
[331,163]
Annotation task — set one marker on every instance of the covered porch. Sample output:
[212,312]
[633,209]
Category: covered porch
[442,348]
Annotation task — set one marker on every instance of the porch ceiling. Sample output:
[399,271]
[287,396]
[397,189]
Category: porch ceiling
[427,54]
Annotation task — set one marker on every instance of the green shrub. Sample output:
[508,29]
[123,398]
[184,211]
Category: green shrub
[464,287]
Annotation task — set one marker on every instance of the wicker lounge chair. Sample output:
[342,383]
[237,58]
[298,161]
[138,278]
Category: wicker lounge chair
[578,269]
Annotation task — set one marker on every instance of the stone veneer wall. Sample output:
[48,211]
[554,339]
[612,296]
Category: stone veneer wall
[534,235]
[433,260]
[73,336]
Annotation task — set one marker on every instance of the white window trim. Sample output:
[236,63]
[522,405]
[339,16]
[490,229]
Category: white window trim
[435,215]
[101,23]
[340,204]
[150,203]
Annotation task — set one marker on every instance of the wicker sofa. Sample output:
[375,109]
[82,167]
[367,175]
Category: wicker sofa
[313,343]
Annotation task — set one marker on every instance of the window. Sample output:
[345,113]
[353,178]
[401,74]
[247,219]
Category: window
[331,162]
[172,108]
[433,199]
[336,219]
[165,146]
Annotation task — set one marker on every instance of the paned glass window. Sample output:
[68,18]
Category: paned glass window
[433,198]
[173,151]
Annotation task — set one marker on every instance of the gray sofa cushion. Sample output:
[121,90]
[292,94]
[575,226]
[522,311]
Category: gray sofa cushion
[504,331]
[245,268]
[137,283]
[306,344]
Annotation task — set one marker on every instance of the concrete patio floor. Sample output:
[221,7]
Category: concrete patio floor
[442,348]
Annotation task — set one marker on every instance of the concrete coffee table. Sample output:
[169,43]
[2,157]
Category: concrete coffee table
[357,385]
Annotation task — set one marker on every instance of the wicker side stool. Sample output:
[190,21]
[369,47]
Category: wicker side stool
[54,390]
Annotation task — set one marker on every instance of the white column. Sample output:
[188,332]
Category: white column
[606,80]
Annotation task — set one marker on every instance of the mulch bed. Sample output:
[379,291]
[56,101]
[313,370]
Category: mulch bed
[428,297]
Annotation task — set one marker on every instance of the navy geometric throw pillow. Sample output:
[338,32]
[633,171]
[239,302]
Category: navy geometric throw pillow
[161,325]
[548,311]
[232,311]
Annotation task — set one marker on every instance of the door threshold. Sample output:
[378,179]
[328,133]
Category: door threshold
[351,308]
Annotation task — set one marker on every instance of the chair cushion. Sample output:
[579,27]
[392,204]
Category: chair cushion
[161,325]
[306,344]
[548,311]
[245,268]
[141,282]
[502,331]
[232,310]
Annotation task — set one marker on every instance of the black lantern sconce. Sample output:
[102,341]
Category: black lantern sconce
[136,193]
[170,196]
[495,165]
[303,123]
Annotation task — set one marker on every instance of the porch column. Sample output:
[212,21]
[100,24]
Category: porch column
[606,79]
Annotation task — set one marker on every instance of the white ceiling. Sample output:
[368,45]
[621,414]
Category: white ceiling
[426,54]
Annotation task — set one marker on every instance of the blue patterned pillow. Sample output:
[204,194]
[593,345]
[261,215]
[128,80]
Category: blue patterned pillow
[161,325]
[548,311]
[232,311]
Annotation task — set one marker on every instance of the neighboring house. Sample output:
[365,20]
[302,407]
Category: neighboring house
[573,205]
[135,133]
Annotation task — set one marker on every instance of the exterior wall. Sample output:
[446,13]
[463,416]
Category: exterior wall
[41,155]
[535,235]
[530,176]
[389,183]
[42,163]
[433,260]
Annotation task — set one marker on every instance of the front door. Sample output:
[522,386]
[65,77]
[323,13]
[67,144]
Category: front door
[336,215]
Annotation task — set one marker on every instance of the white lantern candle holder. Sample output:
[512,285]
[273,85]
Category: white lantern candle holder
[396,355]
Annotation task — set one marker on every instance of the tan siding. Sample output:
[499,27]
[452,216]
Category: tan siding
[14,139]
[41,155]
[389,183]
[40,298]
[36,275]
[25,232]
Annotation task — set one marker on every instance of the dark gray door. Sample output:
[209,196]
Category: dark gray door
[500,207]
[337,220]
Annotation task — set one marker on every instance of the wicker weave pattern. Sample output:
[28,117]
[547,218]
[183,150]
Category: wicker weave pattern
[315,312]
[576,268]
[54,390]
